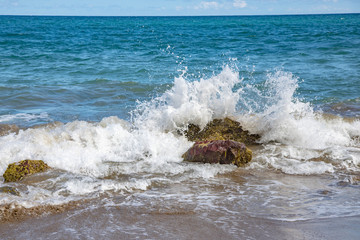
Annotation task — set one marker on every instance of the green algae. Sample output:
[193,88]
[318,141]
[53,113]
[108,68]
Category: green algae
[17,171]
[221,129]
[9,190]
[243,157]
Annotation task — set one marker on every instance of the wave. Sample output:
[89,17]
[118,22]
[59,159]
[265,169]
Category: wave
[120,155]
[270,109]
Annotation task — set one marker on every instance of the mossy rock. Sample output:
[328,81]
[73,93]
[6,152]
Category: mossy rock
[221,129]
[9,190]
[17,171]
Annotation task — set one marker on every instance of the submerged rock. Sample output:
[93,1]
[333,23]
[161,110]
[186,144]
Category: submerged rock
[221,129]
[9,190]
[219,151]
[14,212]
[17,171]
[6,129]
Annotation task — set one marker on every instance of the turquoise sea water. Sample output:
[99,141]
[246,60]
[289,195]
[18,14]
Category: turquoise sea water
[91,67]
[103,100]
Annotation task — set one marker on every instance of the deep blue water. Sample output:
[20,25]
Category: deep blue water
[87,68]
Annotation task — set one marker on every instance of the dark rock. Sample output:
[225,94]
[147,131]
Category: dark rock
[219,151]
[17,171]
[9,190]
[221,129]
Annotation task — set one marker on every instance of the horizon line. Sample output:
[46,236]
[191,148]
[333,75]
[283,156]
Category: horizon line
[230,15]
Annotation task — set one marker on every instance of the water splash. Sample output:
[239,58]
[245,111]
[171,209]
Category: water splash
[196,102]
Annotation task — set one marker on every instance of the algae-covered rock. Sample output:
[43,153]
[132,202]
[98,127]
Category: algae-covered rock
[219,151]
[9,190]
[221,129]
[221,141]
[17,171]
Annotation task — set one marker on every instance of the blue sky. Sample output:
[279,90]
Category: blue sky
[175,7]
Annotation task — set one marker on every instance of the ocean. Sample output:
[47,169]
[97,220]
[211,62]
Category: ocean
[101,100]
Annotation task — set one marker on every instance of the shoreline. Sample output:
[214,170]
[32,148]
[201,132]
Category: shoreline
[128,222]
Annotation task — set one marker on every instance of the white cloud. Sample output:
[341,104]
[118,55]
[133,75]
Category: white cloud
[208,5]
[239,4]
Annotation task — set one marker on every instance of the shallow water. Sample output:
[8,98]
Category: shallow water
[241,204]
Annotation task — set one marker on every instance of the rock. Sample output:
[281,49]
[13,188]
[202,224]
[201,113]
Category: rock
[5,129]
[17,171]
[221,141]
[221,129]
[9,190]
[12,212]
[219,151]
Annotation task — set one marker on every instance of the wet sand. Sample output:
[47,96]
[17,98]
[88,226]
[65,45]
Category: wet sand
[90,222]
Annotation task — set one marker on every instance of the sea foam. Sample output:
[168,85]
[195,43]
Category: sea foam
[300,134]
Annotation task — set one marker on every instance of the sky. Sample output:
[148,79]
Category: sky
[175,7]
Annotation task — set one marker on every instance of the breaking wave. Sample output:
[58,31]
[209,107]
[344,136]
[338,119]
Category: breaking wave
[118,155]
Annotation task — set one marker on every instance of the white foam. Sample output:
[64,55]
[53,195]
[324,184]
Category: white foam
[83,147]
[291,160]
[287,120]
[85,186]
[283,118]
